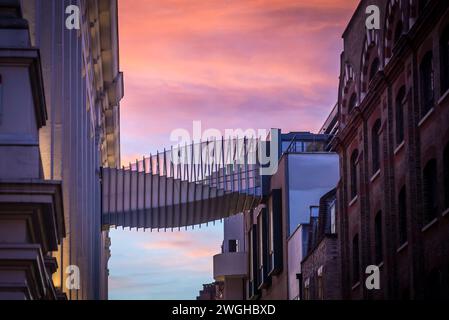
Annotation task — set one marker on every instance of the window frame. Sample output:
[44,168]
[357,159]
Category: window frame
[444,60]
[353,172]
[402,216]
[427,78]
[355,259]
[430,190]
[399,115]
[378,238]
[375,146]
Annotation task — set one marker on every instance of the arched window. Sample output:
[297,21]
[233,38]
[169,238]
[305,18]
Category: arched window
[402,216]
[378,237]
[397,32]
[446,175]
[355,259]
[352,103]
[353,172]
[400,115]
[430,191]
[375,146]
[374,68]
[427,83]
[444,65]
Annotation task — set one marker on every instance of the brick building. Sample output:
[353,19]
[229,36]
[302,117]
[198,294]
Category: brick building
[211,291]
[320,267]
[393,143]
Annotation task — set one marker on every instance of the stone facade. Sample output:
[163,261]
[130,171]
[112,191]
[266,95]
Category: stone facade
[59,130]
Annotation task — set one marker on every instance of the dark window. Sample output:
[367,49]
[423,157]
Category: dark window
[378,237]
[433,285]
[446,175]
[397,32]
[421,5]
[275,239]
[375,146]
[355,259]
[374,68]
[353,173]
[400,105]
[444,66]
[402,215]
[427,83]
[430,191]
[352,102]
[233,245]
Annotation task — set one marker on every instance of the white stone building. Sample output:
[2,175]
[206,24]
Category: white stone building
[60,92]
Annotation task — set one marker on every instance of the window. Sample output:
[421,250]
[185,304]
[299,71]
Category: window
[307,289]
[430,191]
[375,146]
[320,288]
[400,105]
[275,239]
[352,103]
[260,257]
[355,259]
[374,68]
[333,219]
[444,65]
[402,216]
[252,250]
[433,285]
[378,238]
[320,283]
[427,83]
[353,173]
[262,231]
[251,255]
[446,175]
[233,245]
[397,32]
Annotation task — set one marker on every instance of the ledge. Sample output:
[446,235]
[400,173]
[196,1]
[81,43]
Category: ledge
[445,213]
[402,247]
[355,286]
[354,200]
[399,147]
[230,264]
[427,116]
[429,225]
[443,97]
[374,177]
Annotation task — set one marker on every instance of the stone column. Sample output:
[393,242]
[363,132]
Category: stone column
[31,211]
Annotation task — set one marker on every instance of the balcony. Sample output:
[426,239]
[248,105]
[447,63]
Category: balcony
[230,264]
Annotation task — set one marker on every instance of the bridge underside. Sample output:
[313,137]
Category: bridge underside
[189,186]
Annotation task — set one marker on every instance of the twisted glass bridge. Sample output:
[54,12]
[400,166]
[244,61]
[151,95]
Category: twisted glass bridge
[185,186]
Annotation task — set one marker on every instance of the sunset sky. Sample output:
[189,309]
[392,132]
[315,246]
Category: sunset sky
[229,64]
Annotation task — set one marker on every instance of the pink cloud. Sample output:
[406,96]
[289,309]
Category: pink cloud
[227,63]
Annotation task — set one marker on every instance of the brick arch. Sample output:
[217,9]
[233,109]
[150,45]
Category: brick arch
[348,78]
[348,88]
[371,48]
[395,14]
